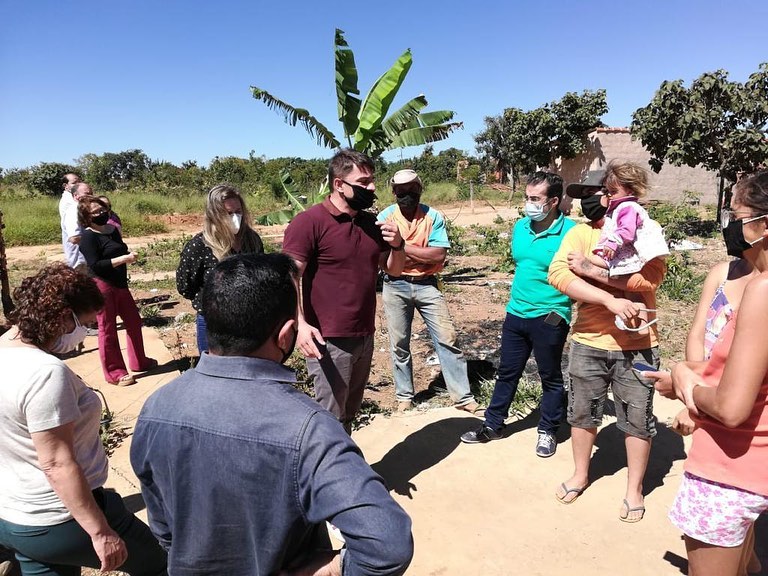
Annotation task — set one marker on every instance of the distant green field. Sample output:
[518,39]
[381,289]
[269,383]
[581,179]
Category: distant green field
[32,220]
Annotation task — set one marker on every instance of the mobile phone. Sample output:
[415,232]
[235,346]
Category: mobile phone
[640,367]
[553,319]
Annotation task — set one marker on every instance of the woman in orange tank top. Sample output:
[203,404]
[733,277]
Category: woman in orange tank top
[725,486]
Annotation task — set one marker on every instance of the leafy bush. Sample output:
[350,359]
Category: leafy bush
[680,219]
[527,398]
[681,282]
[47,177]
[149,206]
[161,256]
[455,237]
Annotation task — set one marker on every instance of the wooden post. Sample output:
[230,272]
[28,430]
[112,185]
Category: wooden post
[472,196]
[5,287]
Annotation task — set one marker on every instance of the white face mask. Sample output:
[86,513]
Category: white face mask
[237,219]
[535,211]
[622,326]
[70,341]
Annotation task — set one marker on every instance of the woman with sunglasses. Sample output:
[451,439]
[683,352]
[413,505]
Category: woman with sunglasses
[725,486]
[54,511]
[107,257]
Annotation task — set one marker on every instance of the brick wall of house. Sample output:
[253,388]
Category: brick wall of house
[606,144]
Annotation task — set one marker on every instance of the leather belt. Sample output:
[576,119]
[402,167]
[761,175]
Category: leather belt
[413,279]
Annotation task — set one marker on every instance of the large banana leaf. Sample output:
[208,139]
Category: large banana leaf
[346,85]
[293,116]
[379,99]
[404,117]
[276,217]
[424,135]
[291,190]
[436,117]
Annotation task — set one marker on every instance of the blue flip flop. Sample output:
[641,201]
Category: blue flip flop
[577,491]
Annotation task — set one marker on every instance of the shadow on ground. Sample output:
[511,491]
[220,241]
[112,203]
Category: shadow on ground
[420,451]
[611,455]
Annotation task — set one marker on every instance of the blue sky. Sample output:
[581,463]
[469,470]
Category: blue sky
[172,77]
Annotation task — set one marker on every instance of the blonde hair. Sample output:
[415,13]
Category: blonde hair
[217,232]
[628,175]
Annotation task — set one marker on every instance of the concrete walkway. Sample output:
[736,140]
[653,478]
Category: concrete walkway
[125,404]
[480,509]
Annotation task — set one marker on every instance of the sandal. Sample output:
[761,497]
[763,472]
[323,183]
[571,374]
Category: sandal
[626,518]
[126,380]
[566,491]
[471,407]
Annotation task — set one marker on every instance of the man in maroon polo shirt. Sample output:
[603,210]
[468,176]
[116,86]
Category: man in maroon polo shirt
[338,248]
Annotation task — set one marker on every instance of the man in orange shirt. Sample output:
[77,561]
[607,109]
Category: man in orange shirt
[415,288]
[603,350]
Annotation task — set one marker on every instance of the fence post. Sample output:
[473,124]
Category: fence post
[5,287]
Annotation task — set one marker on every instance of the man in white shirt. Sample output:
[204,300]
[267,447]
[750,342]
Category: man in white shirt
[70,229]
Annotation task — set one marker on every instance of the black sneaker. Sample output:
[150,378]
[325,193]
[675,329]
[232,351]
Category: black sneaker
[481,435]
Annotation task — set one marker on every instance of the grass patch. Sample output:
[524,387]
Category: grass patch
[681,282]
[161,256]
[527,398]
[35,220]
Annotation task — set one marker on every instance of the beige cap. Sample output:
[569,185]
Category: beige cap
[405,177]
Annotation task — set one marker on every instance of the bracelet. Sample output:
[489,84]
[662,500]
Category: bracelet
[401,247]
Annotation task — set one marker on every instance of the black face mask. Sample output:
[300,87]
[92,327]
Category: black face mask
[101,219]
[592,207]
[362,198]
[408,202]
[735,244]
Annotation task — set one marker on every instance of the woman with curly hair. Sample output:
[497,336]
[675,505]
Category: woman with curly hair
[54,511]
[227,231]
[107,257]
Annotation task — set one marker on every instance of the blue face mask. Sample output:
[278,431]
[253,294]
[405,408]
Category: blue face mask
[536,211]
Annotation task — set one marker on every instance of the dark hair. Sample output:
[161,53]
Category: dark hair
[42,299]
[344,161]
[554,183]
[752,192]
[84,209]
[246,299]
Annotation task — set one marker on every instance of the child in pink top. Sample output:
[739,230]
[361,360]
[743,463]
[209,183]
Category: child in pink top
[629,237]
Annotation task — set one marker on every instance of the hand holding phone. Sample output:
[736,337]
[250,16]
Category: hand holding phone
[640,367]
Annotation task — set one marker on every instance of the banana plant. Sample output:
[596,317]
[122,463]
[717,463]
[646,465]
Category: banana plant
[365,123]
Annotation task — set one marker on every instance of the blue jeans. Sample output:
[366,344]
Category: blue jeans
[61,550]
[202,336]
[520,337]
[400,299]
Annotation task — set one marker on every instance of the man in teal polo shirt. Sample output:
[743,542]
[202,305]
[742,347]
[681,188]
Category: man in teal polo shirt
[538,316]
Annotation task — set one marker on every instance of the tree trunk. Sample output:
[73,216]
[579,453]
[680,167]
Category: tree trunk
[5,287]
[720,193]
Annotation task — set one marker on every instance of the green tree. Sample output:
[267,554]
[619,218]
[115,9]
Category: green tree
[47,177]
[519,142]
[715,123]
[113,169]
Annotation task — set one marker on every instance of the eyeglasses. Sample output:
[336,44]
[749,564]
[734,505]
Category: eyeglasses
[728,216]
